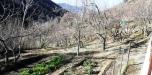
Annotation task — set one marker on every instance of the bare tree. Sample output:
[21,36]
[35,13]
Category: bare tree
[12,30]
[100,23]
[143,15]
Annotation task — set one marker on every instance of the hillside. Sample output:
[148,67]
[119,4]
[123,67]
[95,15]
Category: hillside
[130,9]
[37,9]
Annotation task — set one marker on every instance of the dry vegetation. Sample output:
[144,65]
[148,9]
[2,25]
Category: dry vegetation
[94,42]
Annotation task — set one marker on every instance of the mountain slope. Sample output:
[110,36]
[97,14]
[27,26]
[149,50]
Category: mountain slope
[70,7]
[38,9]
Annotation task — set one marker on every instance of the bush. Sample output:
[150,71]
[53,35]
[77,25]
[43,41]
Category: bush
[41,69]
[88,65]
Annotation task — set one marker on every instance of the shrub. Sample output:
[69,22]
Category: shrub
[88,65]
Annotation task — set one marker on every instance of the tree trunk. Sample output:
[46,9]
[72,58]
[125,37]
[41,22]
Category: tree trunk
[81,44]
[104,44]
[104,41]
[78,43]
[6,58]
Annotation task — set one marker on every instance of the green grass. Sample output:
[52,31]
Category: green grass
[43,68]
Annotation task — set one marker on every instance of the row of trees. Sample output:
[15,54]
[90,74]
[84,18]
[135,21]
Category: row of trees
[114,24]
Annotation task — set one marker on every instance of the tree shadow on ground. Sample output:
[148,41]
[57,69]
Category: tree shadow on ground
[22,63]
